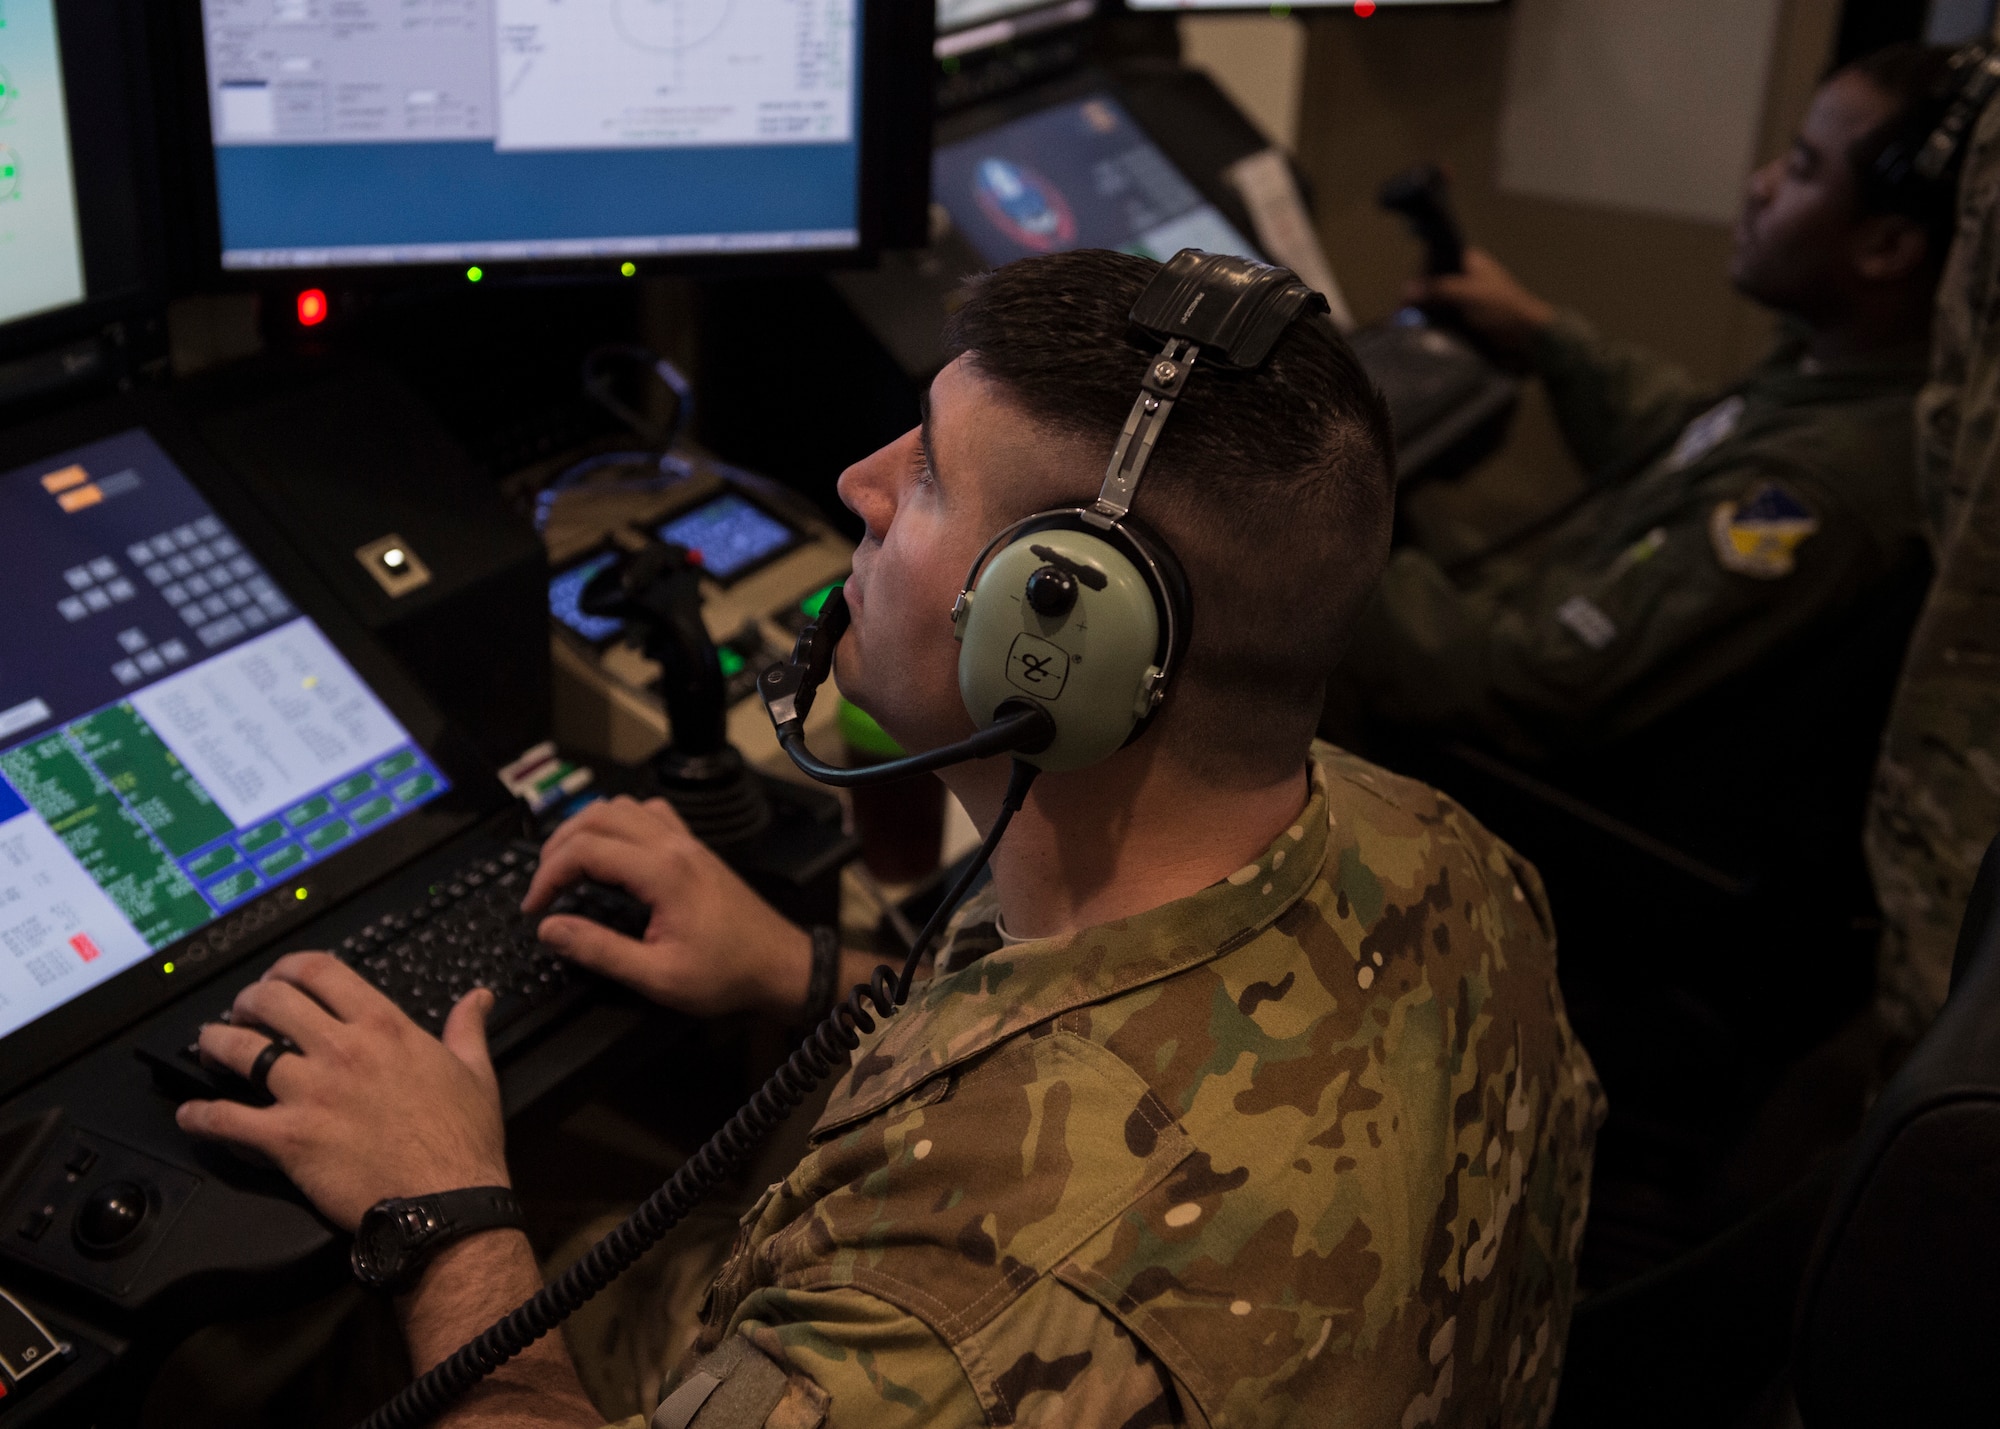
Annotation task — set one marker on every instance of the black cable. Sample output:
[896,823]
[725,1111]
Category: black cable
[825,1048]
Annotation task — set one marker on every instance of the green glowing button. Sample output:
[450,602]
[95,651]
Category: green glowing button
[372,812]
[317,807]
[348,790]
[287,857]
[411,790]
[328,834]
[263,836]
[731,659]
[233,887]
[212,862]
[395,764]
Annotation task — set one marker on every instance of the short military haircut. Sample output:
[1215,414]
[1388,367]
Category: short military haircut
[1919,78]
[1275,487]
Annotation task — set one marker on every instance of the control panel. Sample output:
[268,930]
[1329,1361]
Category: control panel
[768,559]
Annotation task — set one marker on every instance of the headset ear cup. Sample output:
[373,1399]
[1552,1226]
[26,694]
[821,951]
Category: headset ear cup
[1171,591]
[1099,657]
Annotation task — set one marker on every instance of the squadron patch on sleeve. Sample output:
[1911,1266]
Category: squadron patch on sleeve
[1760,535]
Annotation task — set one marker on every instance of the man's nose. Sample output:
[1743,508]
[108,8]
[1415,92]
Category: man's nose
[868,487]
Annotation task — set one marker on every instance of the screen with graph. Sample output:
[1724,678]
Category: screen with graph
[380,132]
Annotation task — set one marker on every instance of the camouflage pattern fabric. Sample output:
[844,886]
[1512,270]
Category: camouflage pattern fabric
[1936,801]
[1720,529]
[1311,1146]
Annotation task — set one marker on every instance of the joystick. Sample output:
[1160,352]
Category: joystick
[1422,195]
[657,593]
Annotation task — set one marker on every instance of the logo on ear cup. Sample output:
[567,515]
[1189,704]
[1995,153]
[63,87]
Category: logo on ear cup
[1038,667]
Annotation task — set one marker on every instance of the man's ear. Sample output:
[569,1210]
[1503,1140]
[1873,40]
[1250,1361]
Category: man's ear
[1889,248]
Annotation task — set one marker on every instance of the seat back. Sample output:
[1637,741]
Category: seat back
[1900,1307]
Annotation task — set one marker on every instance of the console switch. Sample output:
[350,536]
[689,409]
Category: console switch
[25,1343]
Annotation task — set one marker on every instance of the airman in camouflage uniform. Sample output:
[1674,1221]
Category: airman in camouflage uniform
[1936,801]
[1310,1146]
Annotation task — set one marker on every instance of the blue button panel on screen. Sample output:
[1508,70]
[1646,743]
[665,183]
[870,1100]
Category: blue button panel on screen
[728,534]
[251,859]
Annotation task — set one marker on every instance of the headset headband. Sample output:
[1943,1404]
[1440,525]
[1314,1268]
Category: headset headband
[1232,308]
[1977,69]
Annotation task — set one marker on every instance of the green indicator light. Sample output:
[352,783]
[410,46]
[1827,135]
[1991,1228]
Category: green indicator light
[168,968]
[474,273]
[300,894]
[816,602]
[731,660]
[628,268]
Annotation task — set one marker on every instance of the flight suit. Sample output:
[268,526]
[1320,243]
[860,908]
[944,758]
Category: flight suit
[1717,531]
[1311,1146]
[1936,800]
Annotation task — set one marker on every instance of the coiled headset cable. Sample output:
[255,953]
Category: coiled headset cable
[824,1049]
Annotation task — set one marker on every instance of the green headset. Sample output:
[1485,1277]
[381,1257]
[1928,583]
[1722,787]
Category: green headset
[1072,622]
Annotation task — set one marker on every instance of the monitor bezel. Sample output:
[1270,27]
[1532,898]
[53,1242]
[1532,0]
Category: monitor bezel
[84,1022]
[893,188]
[112,41]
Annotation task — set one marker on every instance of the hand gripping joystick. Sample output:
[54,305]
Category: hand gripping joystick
[1422,195]
[657,593]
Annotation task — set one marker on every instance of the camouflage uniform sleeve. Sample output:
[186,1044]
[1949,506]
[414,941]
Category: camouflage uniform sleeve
[1936,800]
[1052,1357]
[1610,398]
[1586,650]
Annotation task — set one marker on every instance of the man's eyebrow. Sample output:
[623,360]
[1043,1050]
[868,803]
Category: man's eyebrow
[924,434]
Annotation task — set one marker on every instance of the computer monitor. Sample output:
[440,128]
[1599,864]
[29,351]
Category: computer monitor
[964,26]
[74,201]
[1076,174]
[186,755]
[389,136]
[1363,7]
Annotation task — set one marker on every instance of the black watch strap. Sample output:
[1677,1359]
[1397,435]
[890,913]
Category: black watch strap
[398,1237]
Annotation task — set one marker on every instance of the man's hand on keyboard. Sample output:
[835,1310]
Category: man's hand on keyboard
[371,1105]
[713,945]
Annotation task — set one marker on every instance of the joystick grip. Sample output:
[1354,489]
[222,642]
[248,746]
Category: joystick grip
[1422,195]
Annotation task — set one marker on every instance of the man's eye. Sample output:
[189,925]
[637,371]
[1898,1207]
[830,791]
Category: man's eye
[922,473]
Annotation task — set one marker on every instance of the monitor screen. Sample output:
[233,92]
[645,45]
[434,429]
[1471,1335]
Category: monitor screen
[566,594]
[39,229]
[730,536]
[381,132]
[70,207]
[1366,7]
[1076,175]
[175,736]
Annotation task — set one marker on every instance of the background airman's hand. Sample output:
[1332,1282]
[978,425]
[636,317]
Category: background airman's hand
[1491,300]
[713,946]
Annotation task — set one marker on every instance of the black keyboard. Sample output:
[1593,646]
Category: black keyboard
[468,932]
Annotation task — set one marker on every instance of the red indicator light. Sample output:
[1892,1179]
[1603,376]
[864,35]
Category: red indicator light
[312,307]
[1364,8]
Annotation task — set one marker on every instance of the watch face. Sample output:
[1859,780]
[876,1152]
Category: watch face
[384,1242]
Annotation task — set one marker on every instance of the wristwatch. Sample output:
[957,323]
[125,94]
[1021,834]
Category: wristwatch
[398,1237]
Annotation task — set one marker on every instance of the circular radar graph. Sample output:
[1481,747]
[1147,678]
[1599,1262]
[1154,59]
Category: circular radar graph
[668,27]
[10,172]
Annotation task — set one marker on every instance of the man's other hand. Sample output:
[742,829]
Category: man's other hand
[1492,301]
[713,946]
[371,1105]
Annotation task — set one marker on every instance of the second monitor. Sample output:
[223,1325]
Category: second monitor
[376,133]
